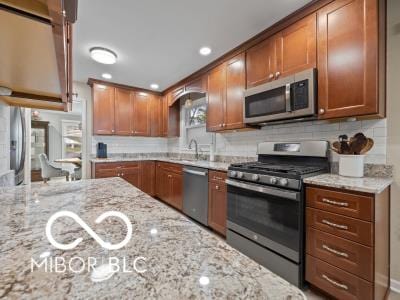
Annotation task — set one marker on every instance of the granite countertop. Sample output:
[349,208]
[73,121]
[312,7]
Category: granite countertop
[219,166]
[373,185]
[178,252]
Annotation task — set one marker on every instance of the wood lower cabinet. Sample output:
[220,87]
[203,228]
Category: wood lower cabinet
[103,109]
[169,184]
[350,64]
[347,242]
[131,173]
[217,201]
[148,177]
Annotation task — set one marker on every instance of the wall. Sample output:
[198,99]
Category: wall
[4,137]
[245,143]
[393,112]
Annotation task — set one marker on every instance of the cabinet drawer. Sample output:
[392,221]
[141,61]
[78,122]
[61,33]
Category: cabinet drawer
[217,176]
[170,167]
[336,282]
[105,173]
[107,166]
[352,205]
[349,256]
[346,227]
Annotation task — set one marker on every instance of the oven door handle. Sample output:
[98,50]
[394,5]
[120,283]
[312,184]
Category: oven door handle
[265,190]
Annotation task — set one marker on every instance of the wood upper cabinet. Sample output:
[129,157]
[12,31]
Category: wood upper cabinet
[235,87]
[226,85]
[296,47]
[216,98]
[198,85]
[261,62]
[123,112]
[156,116]
[141,114]
[164,115]
[103,109]
[348,64]
[217,201]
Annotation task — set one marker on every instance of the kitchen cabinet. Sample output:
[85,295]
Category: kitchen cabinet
[287,52]
[170,124]
[169,184]
[141,114]
[226,85]
[103,109]
[123,112]
[131,173]
[261,62]
[217,201]
[198,85]
[148,177]
[156,116]
[347,242]
[350,59]
[296,47]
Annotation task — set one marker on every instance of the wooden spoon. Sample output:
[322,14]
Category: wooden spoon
[357,143]
[368,146]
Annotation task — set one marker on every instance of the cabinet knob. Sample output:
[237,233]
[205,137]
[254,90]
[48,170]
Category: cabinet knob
[217,187]
[169,176]
[321,111]
[271,76]
[122,174]
[277,74]
[112,130]
[220,125]
[223,125]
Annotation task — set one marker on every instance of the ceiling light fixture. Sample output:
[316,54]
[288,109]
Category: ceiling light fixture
[205,51]
[103,55]
[154,86]
[106,75]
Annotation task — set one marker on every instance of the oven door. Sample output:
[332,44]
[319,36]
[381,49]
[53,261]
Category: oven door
[269,216]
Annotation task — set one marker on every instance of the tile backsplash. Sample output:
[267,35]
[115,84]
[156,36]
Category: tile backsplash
[244,143]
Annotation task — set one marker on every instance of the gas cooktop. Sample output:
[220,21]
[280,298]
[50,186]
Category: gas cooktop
[277,168]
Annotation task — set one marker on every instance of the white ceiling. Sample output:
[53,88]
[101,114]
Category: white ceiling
[157,41]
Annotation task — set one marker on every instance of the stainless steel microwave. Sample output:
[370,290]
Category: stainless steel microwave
[291,97]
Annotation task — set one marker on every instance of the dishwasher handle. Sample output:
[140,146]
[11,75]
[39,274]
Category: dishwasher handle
[194,172]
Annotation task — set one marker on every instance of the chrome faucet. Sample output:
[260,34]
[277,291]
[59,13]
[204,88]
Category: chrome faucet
[196,147]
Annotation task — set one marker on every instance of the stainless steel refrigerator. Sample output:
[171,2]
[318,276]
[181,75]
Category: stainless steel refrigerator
[17,143]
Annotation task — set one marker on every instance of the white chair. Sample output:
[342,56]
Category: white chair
[49,171]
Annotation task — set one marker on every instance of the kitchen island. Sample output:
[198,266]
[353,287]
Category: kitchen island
[182,259]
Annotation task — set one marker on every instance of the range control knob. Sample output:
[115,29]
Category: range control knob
[240,174]
[232,173]
[255,177]
[273,180]
[283,182]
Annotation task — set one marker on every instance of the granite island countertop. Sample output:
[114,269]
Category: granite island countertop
[218,166]
[178,252]
[372,185]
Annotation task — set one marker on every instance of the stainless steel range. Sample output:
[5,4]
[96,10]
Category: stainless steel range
[266,204]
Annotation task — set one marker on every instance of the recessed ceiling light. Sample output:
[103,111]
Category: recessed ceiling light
[106,75]
[103,55]
[205,51]
[154,86]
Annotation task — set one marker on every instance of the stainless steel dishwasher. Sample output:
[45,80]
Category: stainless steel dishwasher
[195,193]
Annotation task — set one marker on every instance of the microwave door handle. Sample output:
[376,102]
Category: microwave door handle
[287,97]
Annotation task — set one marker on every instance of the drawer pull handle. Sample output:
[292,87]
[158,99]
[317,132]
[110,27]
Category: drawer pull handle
[329,249]
[335,283]
[333,202]
[345,227]
[217,178]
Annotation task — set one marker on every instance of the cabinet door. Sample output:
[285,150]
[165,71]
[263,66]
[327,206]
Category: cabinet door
[261,62]
[297,47]
[123,112]
[155,116]
[348,59]
[147,177]
[131,174]
[141,114]
[235,86]
[161,182]
[217,206]
[175,197]
[216,98]
[164,116]
[103,109]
